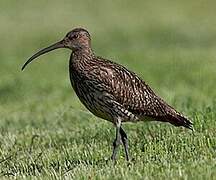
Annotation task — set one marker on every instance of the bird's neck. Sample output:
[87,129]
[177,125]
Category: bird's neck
[84,52]
[81,57]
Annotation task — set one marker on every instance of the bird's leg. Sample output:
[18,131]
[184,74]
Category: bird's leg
[125,142]
[117,140]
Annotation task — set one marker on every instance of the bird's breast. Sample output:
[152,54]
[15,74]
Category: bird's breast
[90,96]
[88,90]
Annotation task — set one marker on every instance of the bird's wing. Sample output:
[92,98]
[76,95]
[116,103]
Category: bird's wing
[128,89]
[135,95]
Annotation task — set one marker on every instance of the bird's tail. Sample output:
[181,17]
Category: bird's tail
[179,120]
[169,114]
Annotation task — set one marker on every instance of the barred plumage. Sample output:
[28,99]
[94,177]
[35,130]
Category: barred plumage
[109,90]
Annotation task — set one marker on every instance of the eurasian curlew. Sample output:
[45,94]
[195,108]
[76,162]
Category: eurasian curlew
[109,90]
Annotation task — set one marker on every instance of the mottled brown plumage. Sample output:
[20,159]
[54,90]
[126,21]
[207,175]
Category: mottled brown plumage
[109,90]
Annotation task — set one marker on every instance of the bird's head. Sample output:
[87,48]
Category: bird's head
[77,39]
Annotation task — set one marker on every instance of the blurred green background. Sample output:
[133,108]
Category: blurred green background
[170,44]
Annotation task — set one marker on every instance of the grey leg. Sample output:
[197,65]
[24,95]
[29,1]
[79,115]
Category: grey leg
[125,142]
[117,141]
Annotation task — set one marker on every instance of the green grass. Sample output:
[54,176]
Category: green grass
[45,132]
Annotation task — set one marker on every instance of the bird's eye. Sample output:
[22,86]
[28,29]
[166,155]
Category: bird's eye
[75,36]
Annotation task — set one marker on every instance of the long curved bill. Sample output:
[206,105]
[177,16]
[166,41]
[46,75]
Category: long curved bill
[54,46]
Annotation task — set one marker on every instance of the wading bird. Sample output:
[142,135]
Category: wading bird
[109,90]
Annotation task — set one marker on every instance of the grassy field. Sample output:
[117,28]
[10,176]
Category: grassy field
[45,132]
